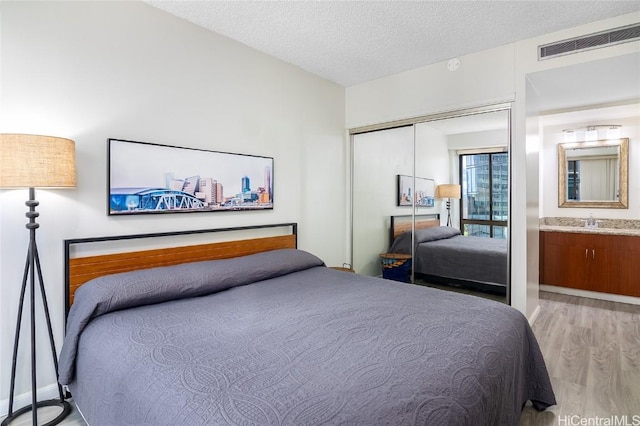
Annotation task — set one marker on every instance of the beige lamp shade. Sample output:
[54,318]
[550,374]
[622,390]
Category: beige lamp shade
[449,190]
[33,161]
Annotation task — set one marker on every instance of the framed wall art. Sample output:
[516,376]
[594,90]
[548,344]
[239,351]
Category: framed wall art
[146,178]
[423,193]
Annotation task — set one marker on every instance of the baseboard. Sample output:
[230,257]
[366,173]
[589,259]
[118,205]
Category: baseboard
[591,294]
[22,400]
[534,315]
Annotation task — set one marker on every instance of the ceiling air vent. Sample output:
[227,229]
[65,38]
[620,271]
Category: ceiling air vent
[591,41]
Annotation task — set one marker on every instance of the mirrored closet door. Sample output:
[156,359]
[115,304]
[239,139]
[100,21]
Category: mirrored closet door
[378,159]
[415,202]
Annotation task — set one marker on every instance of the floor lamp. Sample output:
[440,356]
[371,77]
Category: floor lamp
[30,161]
[448,191]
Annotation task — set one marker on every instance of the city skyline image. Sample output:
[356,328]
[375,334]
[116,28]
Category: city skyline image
[152,178]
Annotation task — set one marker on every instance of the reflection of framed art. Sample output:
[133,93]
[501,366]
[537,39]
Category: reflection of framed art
[151,178]
[424,192]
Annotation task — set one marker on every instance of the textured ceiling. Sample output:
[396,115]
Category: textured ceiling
[350,42]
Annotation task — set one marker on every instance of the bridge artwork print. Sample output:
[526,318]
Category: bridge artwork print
[152,178]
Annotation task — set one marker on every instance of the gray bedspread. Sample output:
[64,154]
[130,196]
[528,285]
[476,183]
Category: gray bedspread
[280,339]
[443,252]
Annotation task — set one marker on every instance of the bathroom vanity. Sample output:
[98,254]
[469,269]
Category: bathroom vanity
[605,260]
[587,253]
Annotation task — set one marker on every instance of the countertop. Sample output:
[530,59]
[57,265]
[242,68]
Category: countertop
[584,230]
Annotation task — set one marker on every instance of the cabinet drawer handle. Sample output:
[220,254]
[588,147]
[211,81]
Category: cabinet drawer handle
[586,253]
[593,253]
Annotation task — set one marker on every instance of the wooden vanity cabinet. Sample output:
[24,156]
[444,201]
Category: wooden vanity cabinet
[629,266]
[594,262]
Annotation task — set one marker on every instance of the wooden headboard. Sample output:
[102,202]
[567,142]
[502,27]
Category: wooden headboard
[80,269]
[400,224]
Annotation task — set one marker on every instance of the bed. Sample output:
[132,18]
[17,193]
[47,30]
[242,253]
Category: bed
[443,255]
[276,337]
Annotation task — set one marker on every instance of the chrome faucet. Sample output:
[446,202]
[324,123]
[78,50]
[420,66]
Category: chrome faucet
[591,222]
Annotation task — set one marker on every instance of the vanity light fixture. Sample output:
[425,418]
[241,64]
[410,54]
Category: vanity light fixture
[569,136]
[613,132]
[590,133]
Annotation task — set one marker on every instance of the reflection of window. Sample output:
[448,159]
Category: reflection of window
[573,179]
[485,194]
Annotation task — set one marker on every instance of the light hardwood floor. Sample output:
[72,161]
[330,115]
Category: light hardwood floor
[592,350]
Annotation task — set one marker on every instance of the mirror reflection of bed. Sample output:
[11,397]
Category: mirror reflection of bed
[445,258]
[468,148]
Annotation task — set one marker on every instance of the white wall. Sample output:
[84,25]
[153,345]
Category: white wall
[93,70]
[488,77]
[482,78]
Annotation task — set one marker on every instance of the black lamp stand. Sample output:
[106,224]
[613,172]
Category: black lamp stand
[32,267]
[448,211]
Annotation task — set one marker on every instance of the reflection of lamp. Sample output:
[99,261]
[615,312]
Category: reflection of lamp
[29,161]
[448,191]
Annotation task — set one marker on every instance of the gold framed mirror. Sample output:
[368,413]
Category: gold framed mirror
[594,174]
